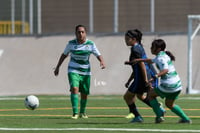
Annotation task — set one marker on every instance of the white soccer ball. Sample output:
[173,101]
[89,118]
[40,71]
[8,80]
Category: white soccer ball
[31,102]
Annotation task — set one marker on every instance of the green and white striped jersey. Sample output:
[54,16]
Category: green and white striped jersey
[169,82]
[80,54]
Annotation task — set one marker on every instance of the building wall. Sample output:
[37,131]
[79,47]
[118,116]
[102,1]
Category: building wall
[27,64]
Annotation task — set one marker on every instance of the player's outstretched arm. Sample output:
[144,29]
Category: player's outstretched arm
[137,61]
[143,60]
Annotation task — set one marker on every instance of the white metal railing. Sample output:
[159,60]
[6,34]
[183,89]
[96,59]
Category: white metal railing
[191,36]
[91,16]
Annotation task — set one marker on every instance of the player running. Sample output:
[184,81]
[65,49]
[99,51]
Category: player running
[79,69]
[170,84]
[140,76]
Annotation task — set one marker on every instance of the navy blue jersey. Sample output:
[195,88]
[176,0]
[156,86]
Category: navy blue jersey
[138,86]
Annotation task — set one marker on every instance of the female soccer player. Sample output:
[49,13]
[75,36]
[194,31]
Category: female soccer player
[141,74]
[79,68]
[170,84]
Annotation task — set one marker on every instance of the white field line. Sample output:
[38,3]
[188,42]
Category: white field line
[97,129]
[65,98]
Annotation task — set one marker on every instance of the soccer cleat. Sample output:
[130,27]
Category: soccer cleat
[83,115]
[137,119]
[159,119]
[185,121]
[75,116]
[130,116]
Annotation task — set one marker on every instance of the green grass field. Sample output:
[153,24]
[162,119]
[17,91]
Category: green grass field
[106,114]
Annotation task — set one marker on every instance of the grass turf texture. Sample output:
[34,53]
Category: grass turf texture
[104,112]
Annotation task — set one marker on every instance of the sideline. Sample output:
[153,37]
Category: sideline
[97,129]
[69,108]
[95,116]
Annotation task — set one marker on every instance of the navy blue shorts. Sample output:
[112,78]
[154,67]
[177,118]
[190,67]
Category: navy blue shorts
[139,86]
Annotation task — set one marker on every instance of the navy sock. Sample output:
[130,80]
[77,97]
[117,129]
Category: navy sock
[133,109]
[146,101]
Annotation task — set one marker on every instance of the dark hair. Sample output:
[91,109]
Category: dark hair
[137,34]
[159,43]
[80,26]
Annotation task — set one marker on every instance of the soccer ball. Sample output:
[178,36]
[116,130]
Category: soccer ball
[31,102]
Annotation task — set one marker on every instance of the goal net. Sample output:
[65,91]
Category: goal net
[193,69]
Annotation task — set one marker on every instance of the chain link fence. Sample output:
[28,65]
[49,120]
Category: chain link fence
[100,16]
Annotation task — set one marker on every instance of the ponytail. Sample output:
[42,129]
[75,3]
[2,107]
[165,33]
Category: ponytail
[170,55]
[159,43]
